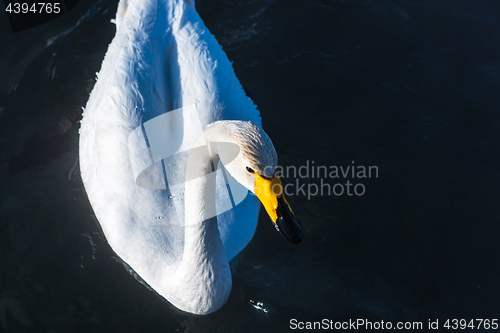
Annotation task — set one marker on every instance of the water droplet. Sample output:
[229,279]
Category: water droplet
[159,218]
[258,306]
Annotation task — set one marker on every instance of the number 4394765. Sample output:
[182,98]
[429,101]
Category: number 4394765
[472,324]
[40,7]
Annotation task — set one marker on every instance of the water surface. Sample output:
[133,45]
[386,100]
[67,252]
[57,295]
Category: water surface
[410,87]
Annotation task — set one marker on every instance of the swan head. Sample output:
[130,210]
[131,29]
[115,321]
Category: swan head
[255,168]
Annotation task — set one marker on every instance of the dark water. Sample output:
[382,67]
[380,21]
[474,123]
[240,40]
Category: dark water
[411,87]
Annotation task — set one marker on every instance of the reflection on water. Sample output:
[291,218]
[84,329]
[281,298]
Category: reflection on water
[407,86]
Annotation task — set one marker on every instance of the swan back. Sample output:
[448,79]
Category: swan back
[162,58]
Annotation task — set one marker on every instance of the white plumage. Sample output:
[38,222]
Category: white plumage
[163,58]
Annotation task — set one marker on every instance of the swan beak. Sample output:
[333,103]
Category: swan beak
[270,193]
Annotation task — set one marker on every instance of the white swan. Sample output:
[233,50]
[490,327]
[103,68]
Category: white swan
[163,59]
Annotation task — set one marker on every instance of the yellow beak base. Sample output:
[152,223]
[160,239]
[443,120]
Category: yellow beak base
[270,193]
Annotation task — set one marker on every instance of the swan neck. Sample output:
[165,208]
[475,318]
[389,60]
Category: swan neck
[204,274]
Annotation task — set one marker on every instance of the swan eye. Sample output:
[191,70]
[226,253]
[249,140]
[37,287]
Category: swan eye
[250,170]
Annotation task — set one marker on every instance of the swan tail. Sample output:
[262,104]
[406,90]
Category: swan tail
[191,4]
[120,13]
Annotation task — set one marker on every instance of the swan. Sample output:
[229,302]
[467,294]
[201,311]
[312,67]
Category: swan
[168,140]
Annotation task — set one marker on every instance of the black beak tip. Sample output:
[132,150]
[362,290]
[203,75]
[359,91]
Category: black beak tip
[287,224]
[290,230]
